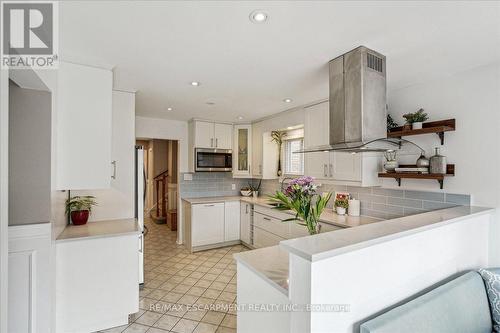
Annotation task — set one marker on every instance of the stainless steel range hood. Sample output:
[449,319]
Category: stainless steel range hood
[358,116]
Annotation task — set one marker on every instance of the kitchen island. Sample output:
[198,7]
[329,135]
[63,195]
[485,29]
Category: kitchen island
[353,273]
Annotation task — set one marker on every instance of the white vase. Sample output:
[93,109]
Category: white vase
[341,210]
[416,125]
[255,194]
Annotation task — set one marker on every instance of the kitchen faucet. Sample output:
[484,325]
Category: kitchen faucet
[283,182]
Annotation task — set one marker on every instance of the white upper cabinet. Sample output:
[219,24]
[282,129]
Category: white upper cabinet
[257,150]
[316,129]
[204,134]
[212,135]
[242,152]
[338,167]
[83,131]
[223,134]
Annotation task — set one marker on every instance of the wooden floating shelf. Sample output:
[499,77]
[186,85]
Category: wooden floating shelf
[438,127]
[450,172]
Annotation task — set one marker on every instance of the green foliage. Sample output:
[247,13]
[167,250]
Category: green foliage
[419,116]
[278,136]
[391,123]
[85,202]
[254,188]
[307,208]
[342,203]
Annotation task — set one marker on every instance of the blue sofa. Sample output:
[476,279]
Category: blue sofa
[459,306]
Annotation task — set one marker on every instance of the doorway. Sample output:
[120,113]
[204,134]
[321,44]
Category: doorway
[161,173]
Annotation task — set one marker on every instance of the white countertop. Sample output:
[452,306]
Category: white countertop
[97,229]
[328,216]
[271,263]
[326,245]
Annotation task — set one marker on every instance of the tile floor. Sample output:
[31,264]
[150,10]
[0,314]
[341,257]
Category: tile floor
[184,292]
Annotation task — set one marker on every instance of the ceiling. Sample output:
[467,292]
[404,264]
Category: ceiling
[247,69]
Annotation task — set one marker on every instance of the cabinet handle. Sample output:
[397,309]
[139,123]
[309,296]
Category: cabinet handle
[331,167]
[267,218]
[216,142]
[246,209]
[114,170]
[324,170]
[209,205]
[211,142]
[140,241]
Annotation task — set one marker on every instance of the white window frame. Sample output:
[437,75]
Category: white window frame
[284,158]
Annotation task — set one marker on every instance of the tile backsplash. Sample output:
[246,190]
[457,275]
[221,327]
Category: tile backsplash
[387,203]
[375,201]
[208,184]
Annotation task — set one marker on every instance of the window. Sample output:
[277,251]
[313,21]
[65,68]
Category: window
[293,163]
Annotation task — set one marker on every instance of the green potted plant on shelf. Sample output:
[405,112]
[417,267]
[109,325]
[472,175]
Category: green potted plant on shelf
[79,208]
[255,189]
[301,197]
[416,119]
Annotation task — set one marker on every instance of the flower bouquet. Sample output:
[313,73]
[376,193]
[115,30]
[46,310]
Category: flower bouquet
[301,197]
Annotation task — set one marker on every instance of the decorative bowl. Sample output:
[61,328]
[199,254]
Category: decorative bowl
[246,193]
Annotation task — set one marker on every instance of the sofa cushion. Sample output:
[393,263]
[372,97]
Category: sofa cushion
[459,306]
[491,277]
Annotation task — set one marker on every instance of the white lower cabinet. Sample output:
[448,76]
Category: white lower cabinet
[232,221]
[207,224]
[263,238]
[246,223]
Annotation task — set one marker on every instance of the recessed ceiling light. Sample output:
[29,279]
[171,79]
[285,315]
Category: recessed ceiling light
[240,117]
[169,109]
[287,100]
[289,127]
[195,83]
[258,16]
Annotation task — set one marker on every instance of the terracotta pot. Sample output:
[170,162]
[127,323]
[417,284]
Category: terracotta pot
[79,217]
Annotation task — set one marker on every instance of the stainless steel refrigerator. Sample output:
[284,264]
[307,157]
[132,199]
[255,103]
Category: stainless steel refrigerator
[140,185]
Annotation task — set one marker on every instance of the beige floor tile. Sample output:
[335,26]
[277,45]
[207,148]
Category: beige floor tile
[157,294]
[223,329]
[172,297]
[166,322]
[227,296]
[156,330]
[177,310]
[196,275]
[205,328]
[213,317]
[211,293]
[185,326]
[195,314]
[203,283]
[148,318]
[196,291]
[229,321]
[188,299]
[136,328]
[218,285]
[181,288]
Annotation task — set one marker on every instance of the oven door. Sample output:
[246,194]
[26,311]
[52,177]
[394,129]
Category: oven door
[213,160]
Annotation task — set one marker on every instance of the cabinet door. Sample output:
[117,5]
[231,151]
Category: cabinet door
[245,222]
[269,169]
[263,238]
[232,221]
[207,224]
[242,150]
[345,166]
[84,102]
[204,134]
[257,150]
[223,136]
[316,133]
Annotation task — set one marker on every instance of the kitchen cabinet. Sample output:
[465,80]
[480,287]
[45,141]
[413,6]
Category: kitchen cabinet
[242,152]
[212,135]
[246,223]
[342,168]
[207,224]
[83,130]
[265,155]
[263,238]
[231,221]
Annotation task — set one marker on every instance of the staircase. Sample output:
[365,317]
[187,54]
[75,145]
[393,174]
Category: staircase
[161,214]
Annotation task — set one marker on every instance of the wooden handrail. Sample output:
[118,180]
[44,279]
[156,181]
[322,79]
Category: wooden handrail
[161,200]
[160,175]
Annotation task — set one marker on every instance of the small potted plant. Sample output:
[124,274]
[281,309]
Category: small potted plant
[79,208]
[391,124]
[255,189]
[277,137]
[341,204]
[416,119]
[246,191]
[409,120]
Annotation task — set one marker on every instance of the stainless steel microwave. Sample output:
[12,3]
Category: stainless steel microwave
[213,160]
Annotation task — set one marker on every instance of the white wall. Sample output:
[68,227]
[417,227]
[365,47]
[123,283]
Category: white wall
[473,99]
[4,194]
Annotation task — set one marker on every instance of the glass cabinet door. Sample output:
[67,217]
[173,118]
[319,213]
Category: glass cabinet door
[242,150]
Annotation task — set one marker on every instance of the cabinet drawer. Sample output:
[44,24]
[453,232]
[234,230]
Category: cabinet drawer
[263,238]
[271,224]
[277,214]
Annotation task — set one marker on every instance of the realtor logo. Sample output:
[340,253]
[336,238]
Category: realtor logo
[29,32]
